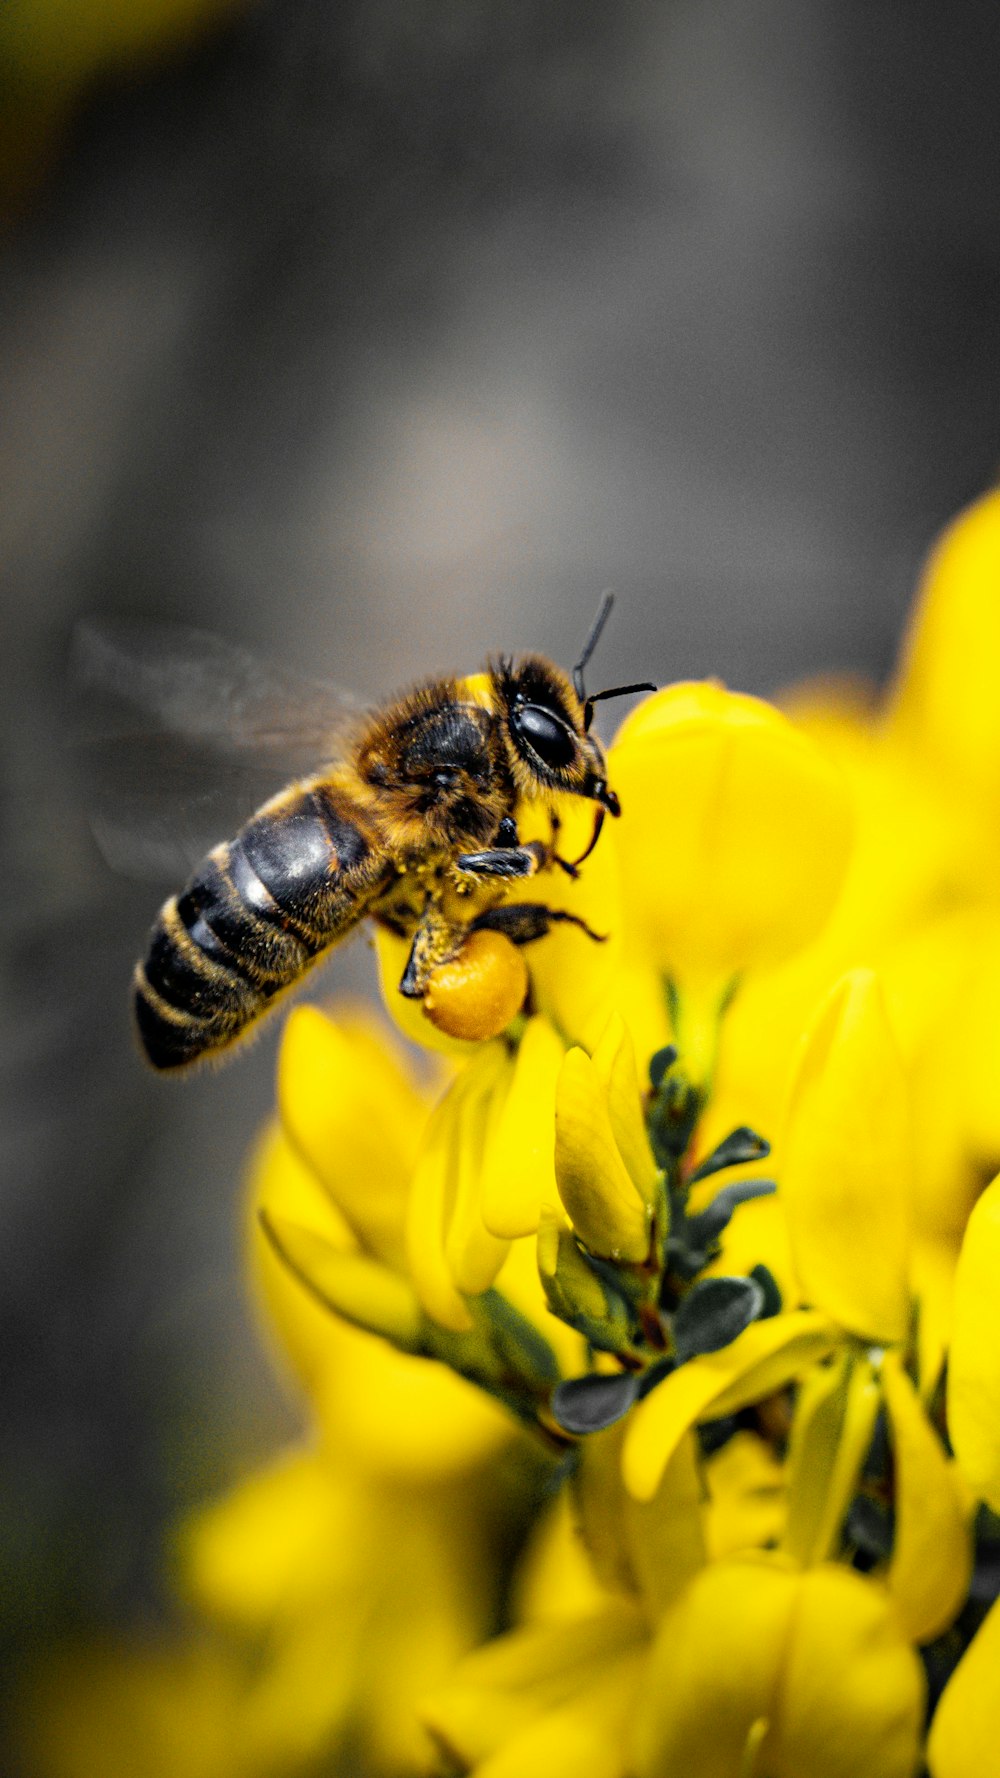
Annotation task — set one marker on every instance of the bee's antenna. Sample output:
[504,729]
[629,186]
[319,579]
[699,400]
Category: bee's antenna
[603,613]
[615,691]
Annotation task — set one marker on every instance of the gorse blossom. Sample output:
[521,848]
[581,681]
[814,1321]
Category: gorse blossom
[652,1348]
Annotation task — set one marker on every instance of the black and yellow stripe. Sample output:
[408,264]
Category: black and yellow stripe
[254,916]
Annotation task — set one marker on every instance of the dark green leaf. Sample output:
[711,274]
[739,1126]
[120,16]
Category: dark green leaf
[587,1404]
[772,1295]
[714,1313]
[740,1145]
[659,1064]
[654,1374]
[704,1228]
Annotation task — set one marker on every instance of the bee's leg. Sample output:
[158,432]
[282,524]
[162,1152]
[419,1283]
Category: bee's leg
[524,921]
[554,858]
[505,861]
[434,942]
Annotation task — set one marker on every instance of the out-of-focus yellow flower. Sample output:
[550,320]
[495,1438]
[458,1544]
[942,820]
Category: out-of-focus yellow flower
[549,1701]
[974,1365]
[306,1560]
[160,1709]
[945,704]
[50,54]
[963,1735]
[739,832]
[757,1669]
[333,1180]
[847,1174]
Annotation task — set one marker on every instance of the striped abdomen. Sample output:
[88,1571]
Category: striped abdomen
[254,916]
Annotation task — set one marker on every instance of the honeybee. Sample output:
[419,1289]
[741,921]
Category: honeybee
[413,824]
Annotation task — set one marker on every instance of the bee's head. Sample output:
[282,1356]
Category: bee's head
[548,717]
[547,728]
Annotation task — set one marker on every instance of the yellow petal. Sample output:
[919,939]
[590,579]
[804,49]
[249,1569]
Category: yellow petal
[410,1420]
[847,1176]
[162,1710]
[555,1577]
[382,1410]
[355,1123]
[831,1434]
[974,1364]
[759,1669]
[574,980]
[852,1692]
[274,1547]
[360,1289]
[585,1735]
[474,1255]
[963,1736]
[432,1197]
[946,702]
[735,834]
[712,1672]
[934,1264]
[516,1679]
[518,1173]
[289,1316]
[931,1564]
[651,1548]
[603,1204]
[767,1355]
[747,1494]
[614,1062]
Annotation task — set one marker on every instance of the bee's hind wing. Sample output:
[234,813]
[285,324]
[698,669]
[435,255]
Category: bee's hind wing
[178,736]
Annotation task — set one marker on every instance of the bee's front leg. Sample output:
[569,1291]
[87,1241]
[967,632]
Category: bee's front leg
[510,860]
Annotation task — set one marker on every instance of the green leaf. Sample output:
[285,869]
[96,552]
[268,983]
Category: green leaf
[588,1404]
[740,1145]
[707,1225]
[660,1063]
[714,1313]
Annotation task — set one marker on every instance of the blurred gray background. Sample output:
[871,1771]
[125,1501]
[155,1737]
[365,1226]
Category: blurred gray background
[377,337]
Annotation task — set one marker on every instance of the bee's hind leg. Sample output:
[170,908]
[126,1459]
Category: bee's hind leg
[435,941]
[524,921]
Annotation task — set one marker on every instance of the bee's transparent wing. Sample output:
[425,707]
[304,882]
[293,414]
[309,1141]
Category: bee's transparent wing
[179,736]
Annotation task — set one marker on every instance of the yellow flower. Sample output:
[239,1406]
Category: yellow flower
[847,1175]
[545,1301]
[945,702]
[974,1368]
[963,1736]
[756,1669]
[739,832]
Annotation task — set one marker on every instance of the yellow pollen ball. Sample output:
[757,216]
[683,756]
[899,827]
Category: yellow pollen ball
[476,995]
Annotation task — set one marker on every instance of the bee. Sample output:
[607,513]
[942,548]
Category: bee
[413,824]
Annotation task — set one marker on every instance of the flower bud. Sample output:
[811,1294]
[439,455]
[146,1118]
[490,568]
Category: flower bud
[595,1186]
[575,1292]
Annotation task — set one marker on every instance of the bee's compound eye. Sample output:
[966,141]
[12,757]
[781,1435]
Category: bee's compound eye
[545,735]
